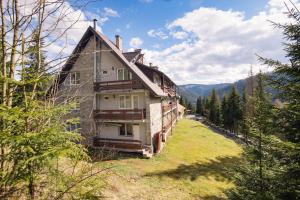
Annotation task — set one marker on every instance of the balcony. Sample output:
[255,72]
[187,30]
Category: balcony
[128,114]
[169,90]
[117,143]
[168,107]
[118,85]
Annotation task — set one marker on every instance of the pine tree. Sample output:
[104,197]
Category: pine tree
[234,110]
[245,126]
[214,108]
[224,112]
[206,103]
[256,177]
[286,80]
[199,106]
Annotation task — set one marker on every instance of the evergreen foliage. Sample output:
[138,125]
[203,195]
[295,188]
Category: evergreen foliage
[271,161]
[214,108]
[224,112]
[199,106]
[234,110]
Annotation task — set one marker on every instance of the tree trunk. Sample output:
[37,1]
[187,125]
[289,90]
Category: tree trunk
[260,164]
[13,51]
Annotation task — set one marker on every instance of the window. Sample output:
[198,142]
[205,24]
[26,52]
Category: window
[125,101]
[104,72]
[122,130]
[73,127]
[106,97]
[74,78]
[123,74]
[135,101]
[126,130]
[128,102]
[77,104]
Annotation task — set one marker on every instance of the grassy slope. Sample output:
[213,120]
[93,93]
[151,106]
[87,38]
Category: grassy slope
[192,166]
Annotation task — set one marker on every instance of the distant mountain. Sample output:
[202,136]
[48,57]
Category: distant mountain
[192,91]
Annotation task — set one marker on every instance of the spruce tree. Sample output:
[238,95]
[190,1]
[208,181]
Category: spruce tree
[245,126]
[199,106]
[256,177]
[234,110]
[224,112]
[286,79]
[206,103]
[214,108]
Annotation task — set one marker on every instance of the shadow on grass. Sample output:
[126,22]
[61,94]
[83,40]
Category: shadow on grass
[219,168]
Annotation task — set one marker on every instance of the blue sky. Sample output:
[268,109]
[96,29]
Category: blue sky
[193,41]
[137,17]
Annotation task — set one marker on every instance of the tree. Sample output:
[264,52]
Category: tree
[206,106]
[234,110]
[286,80]
[271,169]
[214,108]
[245,121]
[34,132]
[199,106]
[224,112]
[256,177]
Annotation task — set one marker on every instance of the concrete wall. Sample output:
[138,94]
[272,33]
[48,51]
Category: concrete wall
[109,63]
[84,91]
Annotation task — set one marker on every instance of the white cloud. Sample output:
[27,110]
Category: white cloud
[220,45]
[157,34]
[179,35]
[135,42]
[109,12]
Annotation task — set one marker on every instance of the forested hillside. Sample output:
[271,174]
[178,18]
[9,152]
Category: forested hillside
[192,91]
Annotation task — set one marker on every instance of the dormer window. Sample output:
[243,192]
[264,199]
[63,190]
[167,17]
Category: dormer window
[74,78]
[123,74]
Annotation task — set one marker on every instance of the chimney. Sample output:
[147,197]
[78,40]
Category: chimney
[150,64]
[95,23]
[119,42]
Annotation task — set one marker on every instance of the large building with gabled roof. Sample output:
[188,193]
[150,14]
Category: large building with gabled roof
[123,104]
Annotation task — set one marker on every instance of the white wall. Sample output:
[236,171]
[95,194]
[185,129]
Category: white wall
[155,115]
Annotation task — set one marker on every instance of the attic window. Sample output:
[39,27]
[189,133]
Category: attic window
[74,78]
[104,72]
[123,74]
[106,97]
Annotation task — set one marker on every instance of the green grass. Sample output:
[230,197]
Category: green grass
[191,166]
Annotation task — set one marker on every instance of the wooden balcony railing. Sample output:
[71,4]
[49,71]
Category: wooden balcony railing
[168,107]
[169,90]
[117,143]
[115,85]
[167,126]
[128,114]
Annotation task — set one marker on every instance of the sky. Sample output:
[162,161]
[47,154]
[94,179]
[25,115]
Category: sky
[192,41]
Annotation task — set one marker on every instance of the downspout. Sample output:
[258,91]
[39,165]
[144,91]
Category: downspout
[171,116]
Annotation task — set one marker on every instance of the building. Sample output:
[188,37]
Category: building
[122,103]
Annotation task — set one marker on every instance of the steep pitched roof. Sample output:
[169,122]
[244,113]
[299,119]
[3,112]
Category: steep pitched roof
[157,91]
[130,56]
[146,67]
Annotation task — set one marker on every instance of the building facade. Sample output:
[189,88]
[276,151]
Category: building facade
[121,102]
